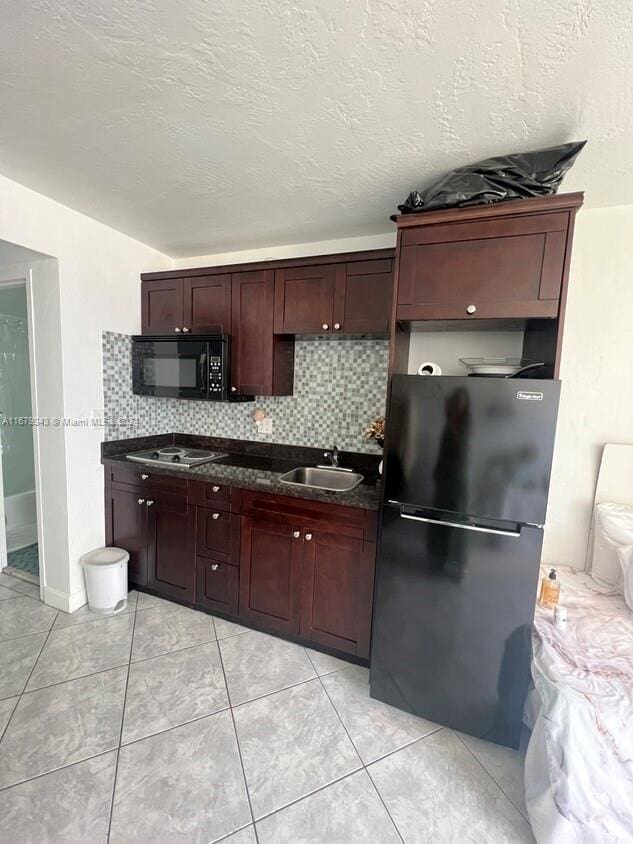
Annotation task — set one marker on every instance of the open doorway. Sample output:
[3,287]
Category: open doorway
[20,554]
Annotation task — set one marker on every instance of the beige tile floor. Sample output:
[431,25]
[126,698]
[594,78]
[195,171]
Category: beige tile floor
[164,724]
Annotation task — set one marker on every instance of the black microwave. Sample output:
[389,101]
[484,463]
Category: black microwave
[183,368]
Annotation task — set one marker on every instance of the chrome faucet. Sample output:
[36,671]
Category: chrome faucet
[332,456]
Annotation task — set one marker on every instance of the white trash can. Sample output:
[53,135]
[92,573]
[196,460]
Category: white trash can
[105,570]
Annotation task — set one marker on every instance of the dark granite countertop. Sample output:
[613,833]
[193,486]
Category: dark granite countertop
[257,466]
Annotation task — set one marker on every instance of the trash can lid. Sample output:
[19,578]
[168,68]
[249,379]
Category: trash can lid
[105,557]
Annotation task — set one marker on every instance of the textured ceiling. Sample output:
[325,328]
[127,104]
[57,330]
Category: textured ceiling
[208,125]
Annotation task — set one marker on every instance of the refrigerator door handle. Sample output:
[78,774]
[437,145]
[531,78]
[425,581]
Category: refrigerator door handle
[513,534]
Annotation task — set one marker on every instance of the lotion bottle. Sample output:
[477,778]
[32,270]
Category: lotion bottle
[550,591]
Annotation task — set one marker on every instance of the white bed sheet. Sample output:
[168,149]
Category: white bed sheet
[579,762]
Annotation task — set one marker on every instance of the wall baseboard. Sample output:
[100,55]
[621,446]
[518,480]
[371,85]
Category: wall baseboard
[67,602]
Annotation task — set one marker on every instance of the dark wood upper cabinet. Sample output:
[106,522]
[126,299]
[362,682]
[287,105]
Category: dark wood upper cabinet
[162,306]
[337,586]
[262,363]
[170,562]
[362,297]
[270,574]
[207,304]
[304,299]
[509,260]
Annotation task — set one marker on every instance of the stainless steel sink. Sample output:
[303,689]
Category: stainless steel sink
[331,480]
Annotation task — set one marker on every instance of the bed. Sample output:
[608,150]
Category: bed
[579,760]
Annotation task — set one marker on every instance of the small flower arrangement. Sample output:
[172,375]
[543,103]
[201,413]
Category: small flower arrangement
[376,431]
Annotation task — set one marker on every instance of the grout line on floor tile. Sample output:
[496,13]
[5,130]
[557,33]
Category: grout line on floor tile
[70,679]
[175,651]
[276,691]
[237,741]
[381,798]
[118,750]
[481,764]
[55,770]
[6,727]
[404,746]
[176,726]
[235,832]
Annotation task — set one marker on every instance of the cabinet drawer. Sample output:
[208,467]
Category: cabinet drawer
[217,585]
[217,534]
[216,496]
[145,476]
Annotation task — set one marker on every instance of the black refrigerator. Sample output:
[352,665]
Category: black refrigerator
[466,476]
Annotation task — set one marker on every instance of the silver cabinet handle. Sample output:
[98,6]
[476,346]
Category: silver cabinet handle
[141,501]
[215,516]
[177,330]
[337,326]
[144,476]
[215,566]
[234,389]
[514,534]
[471,309]
[215,488]
[308,536]
[149,502]
[296,534]
[325,326]
[186,330]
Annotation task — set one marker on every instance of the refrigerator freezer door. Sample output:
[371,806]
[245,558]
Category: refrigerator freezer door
[452,626]
[478,446]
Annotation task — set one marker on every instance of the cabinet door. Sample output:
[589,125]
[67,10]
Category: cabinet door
[337,591]
[217,535]
[162,306]
[126,527]
[270,574]
[207,304]
[256,366]
[304,299]
[362,300]
[509,267]
[170,561]
[216,585]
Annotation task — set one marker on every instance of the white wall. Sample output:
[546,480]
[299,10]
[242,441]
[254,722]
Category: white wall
[98,289]
[446,348]
[597,375]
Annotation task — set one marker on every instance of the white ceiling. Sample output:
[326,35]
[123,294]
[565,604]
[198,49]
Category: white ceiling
[208,125]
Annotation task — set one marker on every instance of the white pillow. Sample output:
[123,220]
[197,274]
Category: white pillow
[625,555]
[613,527]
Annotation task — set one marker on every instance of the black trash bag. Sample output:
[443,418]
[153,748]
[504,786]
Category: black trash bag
[517,176]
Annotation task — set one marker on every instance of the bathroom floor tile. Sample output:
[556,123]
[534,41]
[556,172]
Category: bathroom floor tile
[17,661]
[326,664]
[7,594]
[85,614]
[182,785]
[83,649]
[292,743]
[6,710]
[375,727]
[504,765]
[224,629]
[173,688]
[24,615]
[257,664]
[62,724]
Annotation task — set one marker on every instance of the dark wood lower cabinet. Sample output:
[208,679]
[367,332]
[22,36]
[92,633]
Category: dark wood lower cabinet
[217,585]
[170,568]
[337,585]
[126,527]
[270,574]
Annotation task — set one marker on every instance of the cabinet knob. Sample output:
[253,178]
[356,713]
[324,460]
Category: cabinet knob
[215,516]
[234,389]
[186,330]
[296,534]
[144,476]
[215,566]
[177,330]
[141,501]
[308,536]
[337,326]
[215,488]
[471,309]
[149,502]
[325,326]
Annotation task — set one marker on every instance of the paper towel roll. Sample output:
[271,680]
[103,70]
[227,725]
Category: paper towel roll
[429,368]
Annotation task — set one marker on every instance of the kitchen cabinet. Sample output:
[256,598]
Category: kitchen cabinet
[262,363]
[345,298]
[186,305]
[126,527]
[508,260]
[216,586]
[307,569]
[161,306]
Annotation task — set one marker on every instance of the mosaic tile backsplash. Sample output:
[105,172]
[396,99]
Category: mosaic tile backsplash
[340,385]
